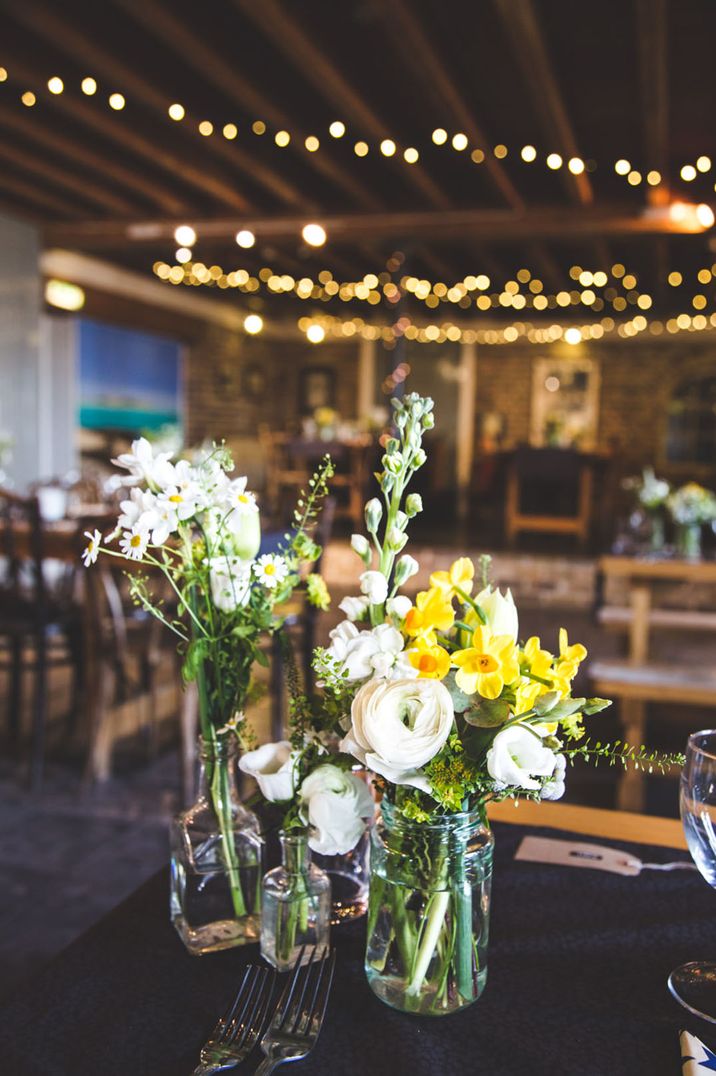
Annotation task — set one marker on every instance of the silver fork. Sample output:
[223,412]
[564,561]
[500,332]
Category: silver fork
[296,1024]
[237,1031]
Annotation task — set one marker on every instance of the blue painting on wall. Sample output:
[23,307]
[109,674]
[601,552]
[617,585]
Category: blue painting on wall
[128,380]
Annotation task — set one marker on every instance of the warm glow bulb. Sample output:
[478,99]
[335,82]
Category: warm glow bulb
[688,172]
[206,128]
[183,255]
[576,166]
[314,235]
[387,147]
[528,154]
[411,155]
[245,238]
[55,85]
[230,131]
[176,112]
[253,324]
[185,235]
[361,149]
[282,138]
[705,215]
[312,143]
[89,86]
[622,167]
[459,141]
[3,74]
[315,333]
[703,164]
[117,102]
[440,136]
[337,129]
[28,98]
[554,161]
[573,335]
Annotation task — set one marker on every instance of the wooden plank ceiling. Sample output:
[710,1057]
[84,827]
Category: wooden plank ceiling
[626,79]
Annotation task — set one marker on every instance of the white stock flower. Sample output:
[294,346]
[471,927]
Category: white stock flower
[335,804]
[375,587]
[519,759]
[144,466]
[500,610]
[270,570]
[133,543]
[399,606]
[352,650]
[272,766]
[360,545]
[397,726]
[91,551]
[354,608]
[230,582]
[389,659]
[405,568]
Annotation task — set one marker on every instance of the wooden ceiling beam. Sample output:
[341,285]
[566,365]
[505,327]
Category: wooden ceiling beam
[227,77]
[286,34]
[487,225]
[416,49]
[32,128]
[81,187]
[41,19]
[548,269]
[30,192]
[651,35]
[523,28]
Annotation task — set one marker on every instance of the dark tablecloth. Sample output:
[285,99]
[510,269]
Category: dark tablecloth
[577,985]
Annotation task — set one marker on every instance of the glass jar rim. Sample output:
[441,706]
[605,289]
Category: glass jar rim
[439,823]
[223,746]
[696,748]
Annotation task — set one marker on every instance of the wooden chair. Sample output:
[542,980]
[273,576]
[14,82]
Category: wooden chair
[557,474]
[284,475]
[40,624]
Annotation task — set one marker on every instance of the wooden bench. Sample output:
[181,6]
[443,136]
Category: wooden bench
[635,685]
[621,617]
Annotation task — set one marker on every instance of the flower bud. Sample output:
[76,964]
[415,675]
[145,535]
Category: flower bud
[374,586]
[387,481]
[413,504]
[395,539]
[419,458]
[406,567]
[393,464]
[361,546]
[428,421]
[392,446]
[401,419]
[373,514]
[401,520]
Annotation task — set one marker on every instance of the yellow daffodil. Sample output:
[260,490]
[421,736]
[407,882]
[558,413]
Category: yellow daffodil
[432,612]
[570,658]
[432,662]
[539,660]
[574,654]
[460,576]
[526,694]
[487,665]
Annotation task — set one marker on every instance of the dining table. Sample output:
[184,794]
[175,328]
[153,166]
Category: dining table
[578,965]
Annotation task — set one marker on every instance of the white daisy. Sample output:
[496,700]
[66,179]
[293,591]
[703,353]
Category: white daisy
[238,499]
[91,552]
[232,725]
[270,570]
[134,543]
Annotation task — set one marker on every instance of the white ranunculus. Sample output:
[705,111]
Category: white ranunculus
[500,610]
[335,804]
[399,606]
[397,726]
[375,587]
[519,759]
[230,582]
[272,767]
[354,608]
[554,788]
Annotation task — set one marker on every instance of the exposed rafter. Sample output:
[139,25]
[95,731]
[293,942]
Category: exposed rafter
[288,35]
[81,187]
[417,49]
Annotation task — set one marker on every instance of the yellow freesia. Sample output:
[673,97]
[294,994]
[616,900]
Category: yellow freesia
[460,575]
[431,661]
[487,665]
[432,612]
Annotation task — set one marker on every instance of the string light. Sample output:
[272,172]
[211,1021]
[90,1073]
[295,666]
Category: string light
[230,131]
[312,143]
[282,139]
[258,127]
[622,167]
[253,324]
[245,238]
[28,98]
[55,85]
[315,333]
[411,155]
[387,147]
[440,136]
[314,235]
[459,141]
[576,166]
[361,149]
[185,235]
[528,154]
[176,112]
[554,161]
[704,164]
[688,173]
[183,255]
[89,86]
[116,101]
[3,74]
[337,129]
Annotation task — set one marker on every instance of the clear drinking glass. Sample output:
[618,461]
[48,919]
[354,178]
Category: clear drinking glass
[694,984]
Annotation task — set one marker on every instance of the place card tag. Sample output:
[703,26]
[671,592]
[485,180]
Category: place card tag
[578,854]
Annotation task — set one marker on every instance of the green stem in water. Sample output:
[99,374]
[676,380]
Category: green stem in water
[435,923]
[462,898]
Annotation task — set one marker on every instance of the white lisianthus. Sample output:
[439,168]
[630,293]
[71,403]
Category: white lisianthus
[272,766]
[399,606]
[361,546]
[519,759]
[143,465]
[351,650]
[335,804]
[375,587]
[230,582]
[354,608]
[553,789]
[397,726]
[500,610]
[389,659]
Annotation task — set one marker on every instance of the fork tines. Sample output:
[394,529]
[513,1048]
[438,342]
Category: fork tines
[302,1005]
[245,1017]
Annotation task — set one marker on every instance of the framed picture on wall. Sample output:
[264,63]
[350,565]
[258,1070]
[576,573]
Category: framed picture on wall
[317,388]
[565,403]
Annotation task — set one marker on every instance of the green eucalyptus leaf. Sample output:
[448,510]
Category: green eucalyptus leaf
[593,706]
[545,704]
[460,700]
[487,713]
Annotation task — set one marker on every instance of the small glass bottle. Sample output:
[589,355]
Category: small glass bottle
[296,904]
[216,859]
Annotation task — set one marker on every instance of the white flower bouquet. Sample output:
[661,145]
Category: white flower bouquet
[193,532]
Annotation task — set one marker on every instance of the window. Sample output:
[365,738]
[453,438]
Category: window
[691,427]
